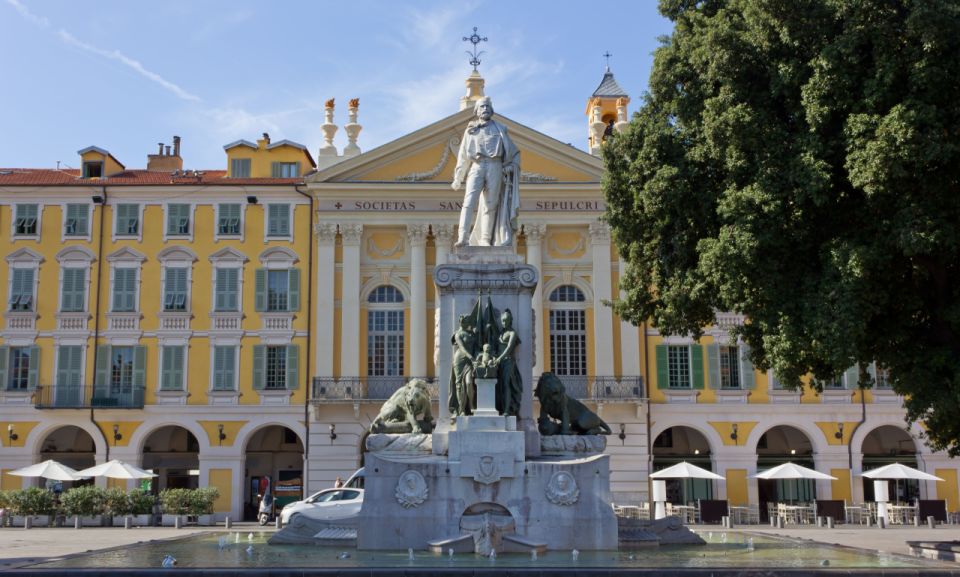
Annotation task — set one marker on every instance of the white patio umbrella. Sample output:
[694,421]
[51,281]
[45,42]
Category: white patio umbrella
[49,470]
[116,470]
[898,471]
[685,470]
[682,470]
[792,471]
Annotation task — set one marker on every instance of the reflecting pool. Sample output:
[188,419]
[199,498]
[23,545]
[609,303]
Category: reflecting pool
[724,549]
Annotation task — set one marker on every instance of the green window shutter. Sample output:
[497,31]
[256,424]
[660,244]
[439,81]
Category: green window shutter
[225,298]
[696,369]
[275,169]
[240,168]
[260,288]
[852,377]
[76,224]
[224,359]
[663,372]
[713,366]
[130,290]
[175,289]
[4,358]
[172,373]
[278,221]
[139,367]
[293,290]
[73,289]
[747,379]
[166,363]
[33,373]
[259,367]
[102,379]
[80,289]
[293,367]
[233,289]
[178,219]
[128,217]
[64,356]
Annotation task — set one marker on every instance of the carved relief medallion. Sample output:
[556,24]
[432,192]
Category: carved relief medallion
[488,470]
[562,489]
[411,489]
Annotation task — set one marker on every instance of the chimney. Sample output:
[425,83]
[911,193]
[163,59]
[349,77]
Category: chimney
[163,160]
[263,142]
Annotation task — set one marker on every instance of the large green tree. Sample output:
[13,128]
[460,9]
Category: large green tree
[798,161]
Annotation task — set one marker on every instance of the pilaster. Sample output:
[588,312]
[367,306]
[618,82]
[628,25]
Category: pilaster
[326,273]
[534,233]
[417,236]
[602,315]
[350,235]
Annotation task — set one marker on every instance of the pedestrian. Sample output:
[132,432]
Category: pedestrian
[338,483]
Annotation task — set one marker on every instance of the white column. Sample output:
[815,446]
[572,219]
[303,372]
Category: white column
[417,235]
[534,233]
[326,274]
[442,237]
[629,341]
[350,235]
[602,315]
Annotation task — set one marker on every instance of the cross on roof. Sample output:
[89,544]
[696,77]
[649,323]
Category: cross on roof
[607,55]
[474,39]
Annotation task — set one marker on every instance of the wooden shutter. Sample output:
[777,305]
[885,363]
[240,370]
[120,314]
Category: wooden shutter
[663,371]
[747,378]
[713,366]
[275,170]
[293,290]
[102,377]
[227,287]
[69,366]
[139,367]
[4,359]
[74,287]
[259,366]
[696,366]
[33,373]
[172,373]
[260,288]
[293,367]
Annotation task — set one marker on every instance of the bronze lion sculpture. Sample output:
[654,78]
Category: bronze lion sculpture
[399,413]
[574,418]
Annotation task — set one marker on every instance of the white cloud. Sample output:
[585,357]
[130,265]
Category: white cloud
[26,13]
[130,63]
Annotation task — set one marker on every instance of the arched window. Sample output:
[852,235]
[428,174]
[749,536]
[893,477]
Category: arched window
[568,331]
[385,332]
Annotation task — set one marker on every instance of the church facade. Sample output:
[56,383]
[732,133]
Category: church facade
[229,326]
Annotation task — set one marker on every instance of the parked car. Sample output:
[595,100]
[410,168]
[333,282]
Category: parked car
[329,504]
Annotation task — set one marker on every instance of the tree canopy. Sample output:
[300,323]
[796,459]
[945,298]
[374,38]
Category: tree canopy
[798,161]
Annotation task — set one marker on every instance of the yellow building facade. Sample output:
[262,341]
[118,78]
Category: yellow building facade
[232,325]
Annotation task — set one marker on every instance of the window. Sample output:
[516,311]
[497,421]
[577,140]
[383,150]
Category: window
[881,375]
[124,289]
[25,222]
[171,368]
[120,376]
[228,220]
[92,169]
[729,368]
[121,369]
[277,290]
[240,168]
[21,289]
[76,223]
[678,366]
[128,220]
[285,169]
[224,368]
[227,289]
[276,367]
[178,219]
[568,332]
[175,289]
[278,220]
[73,292]
[19,366]
[385,343]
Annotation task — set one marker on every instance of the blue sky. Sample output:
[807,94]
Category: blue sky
[126,75]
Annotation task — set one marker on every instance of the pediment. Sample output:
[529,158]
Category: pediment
[429,155]
[126,254]
[25,255]
[76,253]
[228,254]
[177,253]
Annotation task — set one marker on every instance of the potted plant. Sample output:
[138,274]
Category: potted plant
[33,502]
[141,507]
[201,504]
[118,506]
[176,503]
[4,508]
[87,502]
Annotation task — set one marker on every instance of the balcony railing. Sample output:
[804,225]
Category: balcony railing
[588,388]
[343,389]
[88,396]
[604,388]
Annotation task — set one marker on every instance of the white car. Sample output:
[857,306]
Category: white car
[326,505]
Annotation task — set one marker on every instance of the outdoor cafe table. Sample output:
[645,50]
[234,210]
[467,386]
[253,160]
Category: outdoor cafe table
[795,513]
[688,513]
[738,513]
[901,514]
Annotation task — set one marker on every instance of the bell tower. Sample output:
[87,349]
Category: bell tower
[606,110]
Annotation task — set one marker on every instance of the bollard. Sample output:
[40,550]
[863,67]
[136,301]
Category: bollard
[781,522]
[176,522]
[819,521]
[881,523]
[916,520]
[931,521]
[226,522]
[76,522]
[869,521]
[127,522]
[830,522]
[277,523]
[723,521]
[729,522]
[773,521]
[28,522]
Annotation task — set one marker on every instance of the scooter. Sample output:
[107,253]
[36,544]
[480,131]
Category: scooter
[266,509]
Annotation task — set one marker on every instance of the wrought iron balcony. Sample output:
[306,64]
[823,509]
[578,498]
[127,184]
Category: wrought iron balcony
[88,396]
[356,389]
[604,388]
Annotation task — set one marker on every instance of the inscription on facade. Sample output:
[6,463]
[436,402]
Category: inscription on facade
[434,205]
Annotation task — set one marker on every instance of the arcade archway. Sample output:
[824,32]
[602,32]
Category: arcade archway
[273,462]
[173,453]
[885,445]
[678,444]
[71,446]
[779,445]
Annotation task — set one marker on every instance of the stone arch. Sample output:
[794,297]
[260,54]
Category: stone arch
[274,458]
[139,437]
[818,442]
[573,280]
[76,254]
[709,434]
[247,431]
[377,281]
[177,253]
[39,435]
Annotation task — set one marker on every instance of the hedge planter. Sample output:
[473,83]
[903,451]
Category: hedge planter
[206,520]
[36,520]
[171,520]
[90,520]
[135,520]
